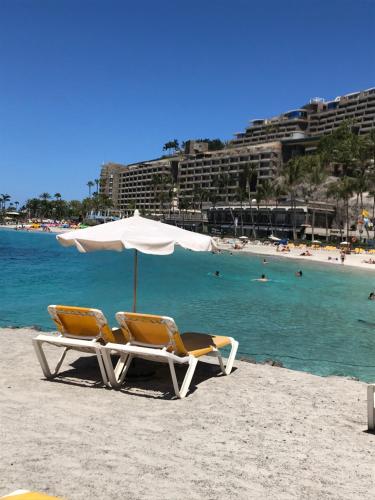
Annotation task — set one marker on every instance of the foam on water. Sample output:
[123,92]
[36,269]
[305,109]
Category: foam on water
[322,322]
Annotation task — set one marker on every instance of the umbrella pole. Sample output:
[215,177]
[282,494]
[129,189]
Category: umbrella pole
[135,280]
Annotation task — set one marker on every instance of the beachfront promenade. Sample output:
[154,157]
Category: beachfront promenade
[263,432]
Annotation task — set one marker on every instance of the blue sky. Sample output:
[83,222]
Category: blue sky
[84,82]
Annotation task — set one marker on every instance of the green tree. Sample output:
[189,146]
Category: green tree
[4,199]
[33,207]
[45,205]
[266,192]
[171,146]
[340,148]
[90,185]
[292,177]
[342,190]
[315,175]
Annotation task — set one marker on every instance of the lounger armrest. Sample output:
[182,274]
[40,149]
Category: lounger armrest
[144,351]
[65,341]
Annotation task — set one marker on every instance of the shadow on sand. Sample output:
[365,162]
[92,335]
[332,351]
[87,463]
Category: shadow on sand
[145,378]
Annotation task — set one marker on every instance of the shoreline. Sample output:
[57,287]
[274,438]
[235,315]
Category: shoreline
[319,256]
[269,360]
[53,230]
[271,433]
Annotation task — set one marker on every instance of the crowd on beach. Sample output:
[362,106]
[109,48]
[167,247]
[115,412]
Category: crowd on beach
[344,253]
[46,226]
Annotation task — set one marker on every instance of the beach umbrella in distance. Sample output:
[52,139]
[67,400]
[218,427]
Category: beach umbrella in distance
[345,243]
[139,234]
[273,238]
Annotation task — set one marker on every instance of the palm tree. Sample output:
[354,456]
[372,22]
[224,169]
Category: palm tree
[97,181]
[44,206]
[292,175]
[4,199]
[241,196]
[57,196]
[223,184]
[90,184]
[315,175]
[343,190]
[266,192]
[171,145]
[45,196]
[250,178]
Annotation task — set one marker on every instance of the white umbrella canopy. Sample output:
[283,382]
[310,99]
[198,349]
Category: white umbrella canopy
[144,235]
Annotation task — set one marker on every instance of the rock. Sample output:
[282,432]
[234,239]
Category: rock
[272,362]
[249,360]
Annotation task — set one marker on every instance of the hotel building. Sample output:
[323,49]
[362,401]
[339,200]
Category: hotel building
[157,185]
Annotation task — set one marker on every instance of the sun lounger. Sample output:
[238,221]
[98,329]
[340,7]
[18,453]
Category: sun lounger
[370,408]
[157,338]
[80,329]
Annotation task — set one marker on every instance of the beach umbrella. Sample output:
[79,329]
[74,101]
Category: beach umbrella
[317,242]
[345,243]
[273,238]
[139,234]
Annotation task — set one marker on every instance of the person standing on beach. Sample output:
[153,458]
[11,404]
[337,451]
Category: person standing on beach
[342,256]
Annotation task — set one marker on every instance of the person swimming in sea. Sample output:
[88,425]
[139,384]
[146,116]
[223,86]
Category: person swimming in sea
[217,273]
[262,278]
[265,261]
[371,296]
[298,274]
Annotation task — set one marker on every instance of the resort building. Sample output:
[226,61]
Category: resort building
[317,118]
[215,183]
[147,186]
[216,175]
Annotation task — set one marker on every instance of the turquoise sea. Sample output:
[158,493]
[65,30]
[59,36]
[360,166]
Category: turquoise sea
[321,323]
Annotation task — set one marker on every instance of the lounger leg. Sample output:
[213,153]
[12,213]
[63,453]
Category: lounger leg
[102,367]
[116,376]
[232,357]
[43,360]
[60,361]
[370,408]
[128,361]
[226,369]
[120,365]
[220,359]
[181,393]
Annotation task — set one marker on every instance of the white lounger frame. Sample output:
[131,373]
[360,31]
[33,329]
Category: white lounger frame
[69,342]
[370,408]
[158,353]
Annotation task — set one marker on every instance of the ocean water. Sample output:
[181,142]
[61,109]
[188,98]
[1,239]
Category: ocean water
[320,323]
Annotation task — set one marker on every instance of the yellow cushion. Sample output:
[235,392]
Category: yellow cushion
[199,344]
[78,322]
[31,495]
[151,329]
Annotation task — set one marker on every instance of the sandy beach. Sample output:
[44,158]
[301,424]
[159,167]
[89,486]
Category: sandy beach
[322,256]
[263,432]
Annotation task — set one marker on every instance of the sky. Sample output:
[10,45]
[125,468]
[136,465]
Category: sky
[85,82]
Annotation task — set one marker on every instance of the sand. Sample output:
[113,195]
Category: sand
[263,432]
[352,260]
